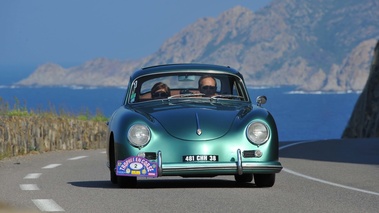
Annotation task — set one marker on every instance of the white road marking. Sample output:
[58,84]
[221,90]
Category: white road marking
[103,152]
[320,180]
[29,187]
[51,166]
[77,158]
[47,205]
[329,183]
[33,176]
[294,144]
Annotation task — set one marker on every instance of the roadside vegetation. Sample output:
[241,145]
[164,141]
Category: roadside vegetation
[24,131]
[20,109]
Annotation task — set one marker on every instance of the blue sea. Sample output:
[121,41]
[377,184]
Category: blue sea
[299,116]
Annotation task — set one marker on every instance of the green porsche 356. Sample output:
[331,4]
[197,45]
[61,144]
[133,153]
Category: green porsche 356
[191,120]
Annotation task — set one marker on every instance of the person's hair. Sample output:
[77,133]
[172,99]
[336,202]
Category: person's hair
[207,76]
[160,85]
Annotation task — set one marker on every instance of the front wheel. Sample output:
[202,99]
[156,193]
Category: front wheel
[112,163]
[264,180]
[244,178]
[126,182]
[113,176]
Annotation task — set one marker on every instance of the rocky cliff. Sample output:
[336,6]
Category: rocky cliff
[314,45]
[364,121]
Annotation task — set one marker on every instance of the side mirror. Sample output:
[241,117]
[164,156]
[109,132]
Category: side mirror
[261,100]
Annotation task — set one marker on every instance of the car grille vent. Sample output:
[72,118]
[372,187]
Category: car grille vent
[151,155]
[248,154]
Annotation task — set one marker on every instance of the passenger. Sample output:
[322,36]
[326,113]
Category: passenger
[160,90]
[207,85]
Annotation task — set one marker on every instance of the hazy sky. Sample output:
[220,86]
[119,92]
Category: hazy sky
[70,32]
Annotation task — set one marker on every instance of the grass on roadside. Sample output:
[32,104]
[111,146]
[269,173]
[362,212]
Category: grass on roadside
[19,109]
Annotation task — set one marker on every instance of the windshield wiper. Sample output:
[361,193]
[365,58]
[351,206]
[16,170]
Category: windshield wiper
[187,95]
[217,97]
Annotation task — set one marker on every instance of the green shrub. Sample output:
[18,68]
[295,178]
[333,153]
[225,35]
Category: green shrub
[21,110]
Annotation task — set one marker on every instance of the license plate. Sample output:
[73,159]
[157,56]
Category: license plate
[190,158]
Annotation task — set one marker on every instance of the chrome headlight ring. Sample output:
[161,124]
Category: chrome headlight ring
[139,135]
[258,133]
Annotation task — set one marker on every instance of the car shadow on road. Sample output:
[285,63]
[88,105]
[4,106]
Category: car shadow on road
[168,183]
[358,151]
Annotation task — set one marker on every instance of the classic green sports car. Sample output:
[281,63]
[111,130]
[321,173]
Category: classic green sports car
[191,120]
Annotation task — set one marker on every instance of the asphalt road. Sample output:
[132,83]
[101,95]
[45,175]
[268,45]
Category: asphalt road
[318,176]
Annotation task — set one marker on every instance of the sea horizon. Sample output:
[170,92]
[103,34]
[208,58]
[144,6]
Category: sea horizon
[299,116]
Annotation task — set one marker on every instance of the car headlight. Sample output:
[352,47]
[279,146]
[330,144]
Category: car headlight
[258,133]
[139,135]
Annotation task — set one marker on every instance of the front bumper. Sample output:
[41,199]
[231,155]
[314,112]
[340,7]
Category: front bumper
[232,168]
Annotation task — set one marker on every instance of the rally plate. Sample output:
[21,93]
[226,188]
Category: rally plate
[136,166]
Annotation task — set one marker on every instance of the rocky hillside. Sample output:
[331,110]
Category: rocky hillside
[364,121]
[314,45]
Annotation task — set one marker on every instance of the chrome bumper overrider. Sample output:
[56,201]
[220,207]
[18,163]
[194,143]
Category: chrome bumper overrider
[238,167]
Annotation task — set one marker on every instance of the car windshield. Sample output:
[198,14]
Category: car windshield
[191,86]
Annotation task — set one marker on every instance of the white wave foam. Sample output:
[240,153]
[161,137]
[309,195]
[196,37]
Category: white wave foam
[319,92]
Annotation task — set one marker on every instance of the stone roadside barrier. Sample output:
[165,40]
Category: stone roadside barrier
[36,134]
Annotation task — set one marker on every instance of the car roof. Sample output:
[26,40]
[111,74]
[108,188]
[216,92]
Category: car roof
[183,66]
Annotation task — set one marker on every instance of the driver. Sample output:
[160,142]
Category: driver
[207,85]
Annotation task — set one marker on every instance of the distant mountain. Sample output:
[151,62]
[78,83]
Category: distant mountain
[311,44]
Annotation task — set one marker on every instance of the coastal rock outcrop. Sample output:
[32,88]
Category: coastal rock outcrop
[364,121]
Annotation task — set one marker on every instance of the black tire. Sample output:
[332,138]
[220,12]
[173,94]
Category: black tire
[264,180]
[244,178]
[113,176]
[112,163]
[126,182]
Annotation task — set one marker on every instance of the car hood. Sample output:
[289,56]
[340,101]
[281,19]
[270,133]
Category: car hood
[197,123]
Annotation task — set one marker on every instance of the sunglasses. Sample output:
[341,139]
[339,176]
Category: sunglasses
[160,95]
[208,88]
